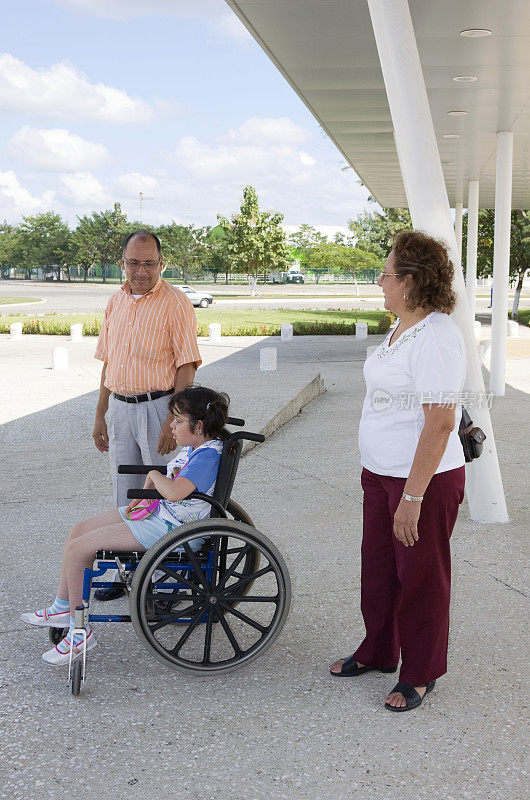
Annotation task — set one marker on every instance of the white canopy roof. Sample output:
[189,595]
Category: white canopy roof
[326,50]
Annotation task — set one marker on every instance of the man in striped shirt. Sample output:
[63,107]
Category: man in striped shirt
[148,345]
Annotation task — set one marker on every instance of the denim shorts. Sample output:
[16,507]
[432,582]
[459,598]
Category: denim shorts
[149,530]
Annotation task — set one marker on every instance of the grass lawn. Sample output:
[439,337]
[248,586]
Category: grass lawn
[523,317]
[7,301]
[246,322]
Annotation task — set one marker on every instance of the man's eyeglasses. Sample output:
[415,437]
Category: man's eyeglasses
[384,275]
[134,264]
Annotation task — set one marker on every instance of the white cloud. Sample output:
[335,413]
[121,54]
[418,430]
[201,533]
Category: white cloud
[267,131]
[19,199]
[55,150]
[306,159]
[230,26]
[132,183]
[83,189]
[306,186]
[63,92]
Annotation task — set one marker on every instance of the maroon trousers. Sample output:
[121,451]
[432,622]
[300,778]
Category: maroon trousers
[405,591]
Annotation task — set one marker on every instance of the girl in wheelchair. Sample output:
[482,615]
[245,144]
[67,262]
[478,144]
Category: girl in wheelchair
[200,416]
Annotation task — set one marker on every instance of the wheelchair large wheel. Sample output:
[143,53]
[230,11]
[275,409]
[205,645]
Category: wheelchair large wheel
[220,627]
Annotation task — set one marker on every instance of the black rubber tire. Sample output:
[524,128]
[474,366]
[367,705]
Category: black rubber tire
[57,634]
[215,648]
[76,676]
[204,303]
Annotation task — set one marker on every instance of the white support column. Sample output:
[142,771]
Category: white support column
[472,245]
[501,262]
[430,211]
[459,212]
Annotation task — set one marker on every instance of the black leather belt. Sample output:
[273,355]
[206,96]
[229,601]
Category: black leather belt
[141,398]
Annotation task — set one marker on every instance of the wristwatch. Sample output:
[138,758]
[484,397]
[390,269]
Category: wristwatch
[411,498]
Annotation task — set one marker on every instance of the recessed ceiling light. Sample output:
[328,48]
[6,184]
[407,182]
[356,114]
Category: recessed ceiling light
[465,78]
[457,113]
[475,33]
[451,136]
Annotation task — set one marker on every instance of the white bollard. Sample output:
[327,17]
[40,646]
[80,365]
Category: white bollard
[513,328]
[16,331]
[59,358]
[214,332]
[370,349]
[361,330]
[477,327]
[286,332]
[268,358]
[76,332]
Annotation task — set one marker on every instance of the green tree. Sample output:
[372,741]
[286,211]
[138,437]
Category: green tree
[519,248]
[375,231]
[339,258]
[99,238]
[303,240]
[184,248]
[219,258]
[257,242]
[8,236]
[42,240]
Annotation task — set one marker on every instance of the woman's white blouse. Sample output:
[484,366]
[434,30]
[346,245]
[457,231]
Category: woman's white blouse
[426,364]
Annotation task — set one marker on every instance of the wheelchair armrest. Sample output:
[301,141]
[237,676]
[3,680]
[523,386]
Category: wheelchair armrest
[152,494]
[140,469]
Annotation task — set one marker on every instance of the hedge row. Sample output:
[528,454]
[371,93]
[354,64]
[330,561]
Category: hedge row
[53,325]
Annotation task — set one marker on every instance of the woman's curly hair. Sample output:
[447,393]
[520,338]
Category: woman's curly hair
[427,262]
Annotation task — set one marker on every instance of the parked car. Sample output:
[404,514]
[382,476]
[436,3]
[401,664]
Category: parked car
[201,299]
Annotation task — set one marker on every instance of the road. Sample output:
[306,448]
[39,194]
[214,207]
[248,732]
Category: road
[89,297]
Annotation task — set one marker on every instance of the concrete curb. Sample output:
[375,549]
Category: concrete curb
[311,390]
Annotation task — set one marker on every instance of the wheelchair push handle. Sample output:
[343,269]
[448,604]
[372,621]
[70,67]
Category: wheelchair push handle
[251,437]
[235,421]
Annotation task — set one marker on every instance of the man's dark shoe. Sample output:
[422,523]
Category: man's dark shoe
[109,594]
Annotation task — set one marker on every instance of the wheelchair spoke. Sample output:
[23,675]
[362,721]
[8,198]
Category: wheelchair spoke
[246,598]
[233,566]
[177,615]
[187,633]
[196,567]
[208,638]
[180,578]
[230,635]
[243,582]
[243,617]
[163,595]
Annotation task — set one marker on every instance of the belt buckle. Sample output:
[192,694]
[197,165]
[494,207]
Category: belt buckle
[134,399]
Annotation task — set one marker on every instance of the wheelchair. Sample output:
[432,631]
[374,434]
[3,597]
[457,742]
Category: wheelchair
[209,597]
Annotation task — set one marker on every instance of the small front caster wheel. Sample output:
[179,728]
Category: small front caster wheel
[57,634]
[77,676]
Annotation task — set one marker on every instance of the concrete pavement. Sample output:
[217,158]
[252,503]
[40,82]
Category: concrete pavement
[281,728]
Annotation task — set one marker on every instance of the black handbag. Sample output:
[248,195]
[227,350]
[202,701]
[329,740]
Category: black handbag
[472,438]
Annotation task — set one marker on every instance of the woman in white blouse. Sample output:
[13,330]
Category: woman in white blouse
[413,474]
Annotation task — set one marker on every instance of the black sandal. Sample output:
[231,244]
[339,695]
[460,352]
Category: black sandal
[350,669]
[413,698]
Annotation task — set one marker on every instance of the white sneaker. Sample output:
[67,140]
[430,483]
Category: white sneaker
[46,620]
[58,659]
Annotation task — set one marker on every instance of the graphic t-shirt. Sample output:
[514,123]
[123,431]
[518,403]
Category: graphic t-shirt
[199,466]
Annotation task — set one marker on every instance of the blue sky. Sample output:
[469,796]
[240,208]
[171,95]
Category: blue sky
[103,99]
